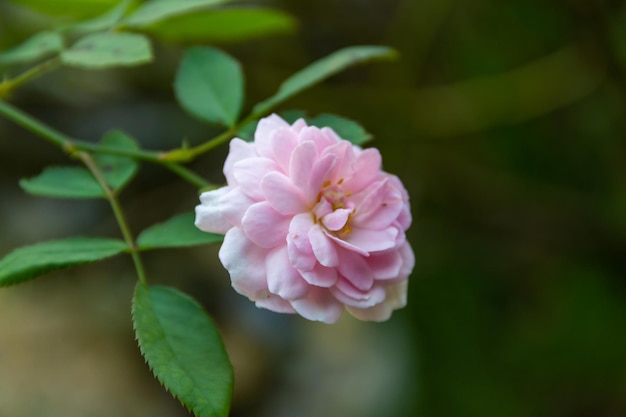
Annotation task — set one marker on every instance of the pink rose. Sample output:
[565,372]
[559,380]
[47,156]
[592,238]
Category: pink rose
[312,224]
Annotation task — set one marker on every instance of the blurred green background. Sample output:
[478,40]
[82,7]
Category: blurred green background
[506,122]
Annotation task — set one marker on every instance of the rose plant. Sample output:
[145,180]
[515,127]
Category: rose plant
[311,223]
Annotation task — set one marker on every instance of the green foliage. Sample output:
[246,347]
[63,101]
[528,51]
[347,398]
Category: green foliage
[223,25]
[38,46]
[179,231]
[103,22]
[63,182]
[31,261]
[78,182]
[184,349]
[210,85]
[70,8]
[157,10]
[108,49]
[117,170]
[322,69]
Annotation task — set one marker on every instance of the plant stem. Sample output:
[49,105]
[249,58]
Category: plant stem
[117,211]
[188,175]
[7,86]
[70,145]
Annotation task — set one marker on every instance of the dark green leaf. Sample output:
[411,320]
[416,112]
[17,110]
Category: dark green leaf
[117,170]
[63,182]
[184,349]
[157,10]
[223,25]
[209,84]
[102,22]
[179,231]
[108,49]
[31,261]
[347,129]
[38,46]
[322,69]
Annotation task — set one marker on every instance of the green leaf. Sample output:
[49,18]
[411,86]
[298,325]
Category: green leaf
[108,49]
[157,10]
[68,8]
[184,349]
[103,22]
[31,261]
[78,182]
[117,170]
[347,129]
[322,69]
[179,231]
[63,182]
[38,46]
[223,25]
[209,84]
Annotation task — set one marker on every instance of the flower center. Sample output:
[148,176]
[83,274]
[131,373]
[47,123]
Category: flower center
[333,210]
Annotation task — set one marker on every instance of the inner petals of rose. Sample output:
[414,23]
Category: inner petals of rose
[333,210]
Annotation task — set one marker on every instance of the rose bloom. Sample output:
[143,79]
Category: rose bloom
[312,224]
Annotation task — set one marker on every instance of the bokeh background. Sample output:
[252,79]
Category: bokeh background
[507,123]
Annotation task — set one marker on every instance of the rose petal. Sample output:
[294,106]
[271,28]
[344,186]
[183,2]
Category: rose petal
[284,142]
[275,303]
[209,216]
[319,175]
[247,273]
[337,219]
[265,226]
[234,205]
[319,305]
[298,245]
[264,131]
[282,279]
[238,150]
[249,173]
[350,296]
[386,265]
[366,169]
[373,240]
[320,276]
[281,193]
[355,269]
[395,298]
[301,164]
[315,135]
[323,248]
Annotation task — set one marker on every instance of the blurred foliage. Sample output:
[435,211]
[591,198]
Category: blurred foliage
[506,122]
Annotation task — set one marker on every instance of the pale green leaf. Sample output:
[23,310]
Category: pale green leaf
[182,346]
[156,10]
[179,231]
[223,25]
[103,22]
[108,49]
[209,85]
[322,69]
[38,46]
[31,261]
[117,170]
[63,182]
